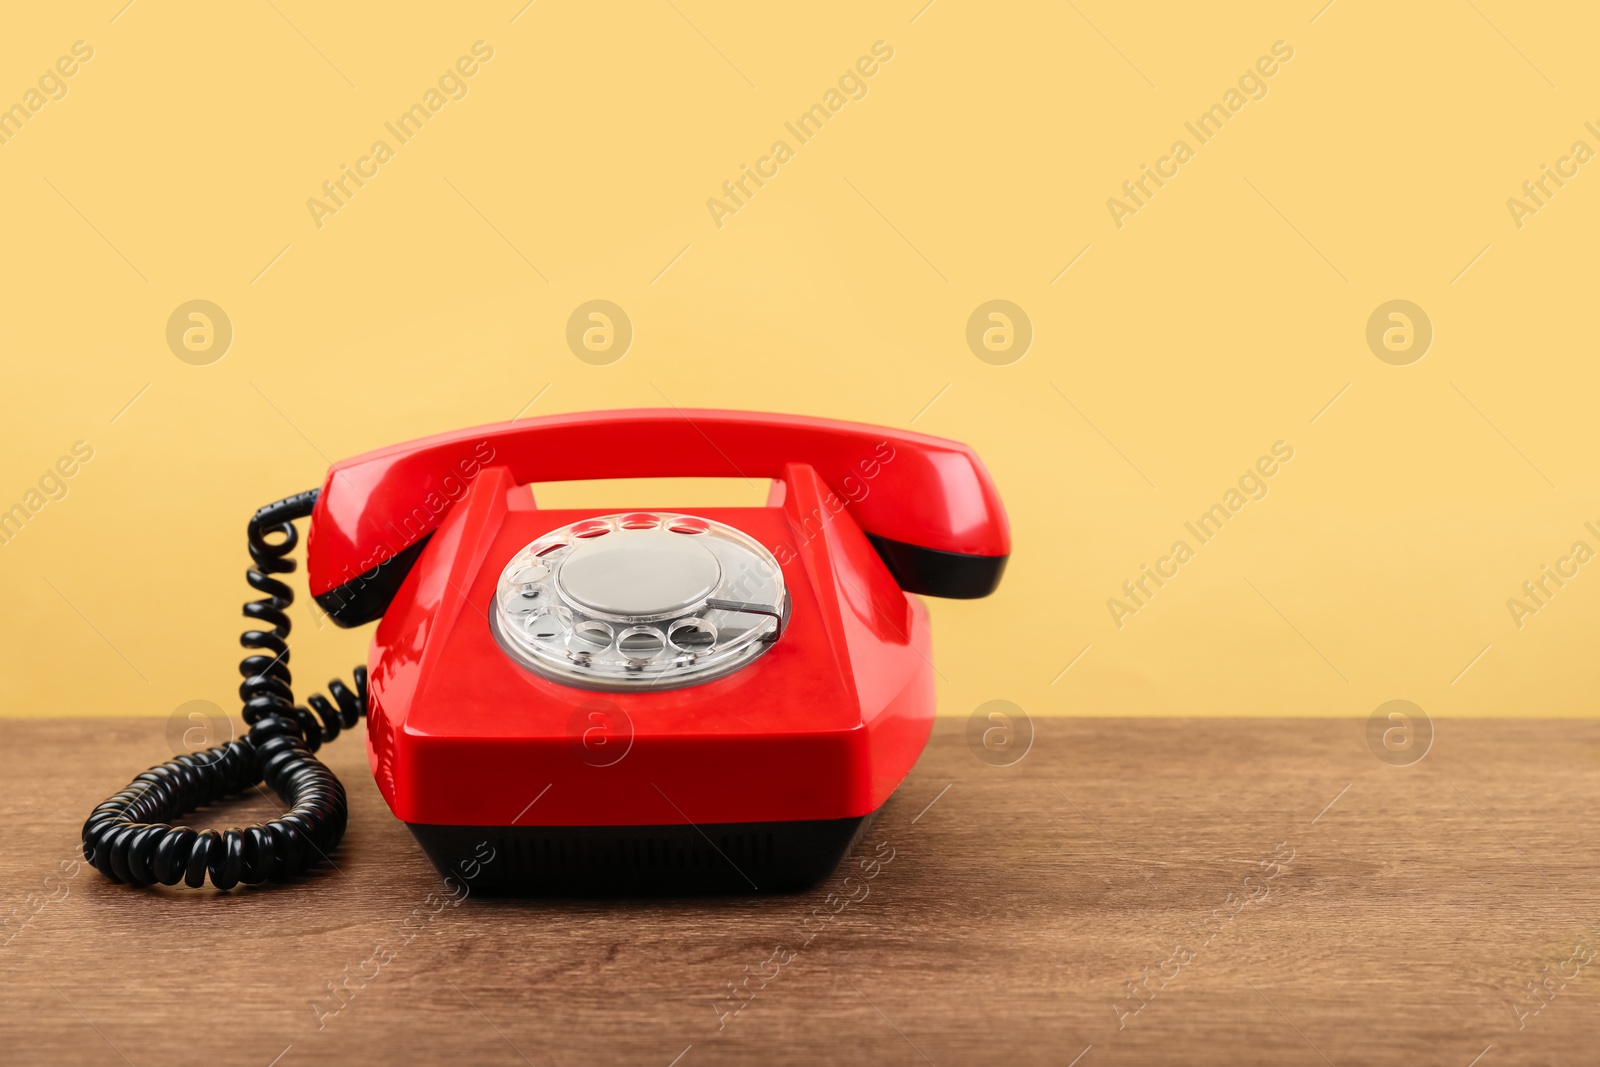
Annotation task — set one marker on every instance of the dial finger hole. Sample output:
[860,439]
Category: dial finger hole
[641,643]
[591,636]
[641,520]
[693,635]
[547,625]
[522,599]
[535,572]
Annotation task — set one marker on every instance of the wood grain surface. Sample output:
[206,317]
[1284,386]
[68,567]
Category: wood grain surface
[1147,891]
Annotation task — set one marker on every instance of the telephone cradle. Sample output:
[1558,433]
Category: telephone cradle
[581,702]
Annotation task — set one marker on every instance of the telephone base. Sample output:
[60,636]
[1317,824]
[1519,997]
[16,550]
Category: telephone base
[638,861]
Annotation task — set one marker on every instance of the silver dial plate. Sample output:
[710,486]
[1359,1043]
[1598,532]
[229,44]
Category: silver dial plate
[639,600]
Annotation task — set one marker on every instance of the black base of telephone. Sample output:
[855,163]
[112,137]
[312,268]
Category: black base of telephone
[638,861]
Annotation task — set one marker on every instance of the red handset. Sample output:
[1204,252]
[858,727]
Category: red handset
[565,702]
[927,504]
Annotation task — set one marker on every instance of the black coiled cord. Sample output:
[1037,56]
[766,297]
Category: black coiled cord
[130,837]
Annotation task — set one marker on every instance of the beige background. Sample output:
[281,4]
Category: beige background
[1229,313]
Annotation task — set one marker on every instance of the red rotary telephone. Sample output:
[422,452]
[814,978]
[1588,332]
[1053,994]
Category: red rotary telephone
[565,702]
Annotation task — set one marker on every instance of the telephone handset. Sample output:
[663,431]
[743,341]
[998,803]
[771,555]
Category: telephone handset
[655,700]
[941,530]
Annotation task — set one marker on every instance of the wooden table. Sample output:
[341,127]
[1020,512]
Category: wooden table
[1131,891]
